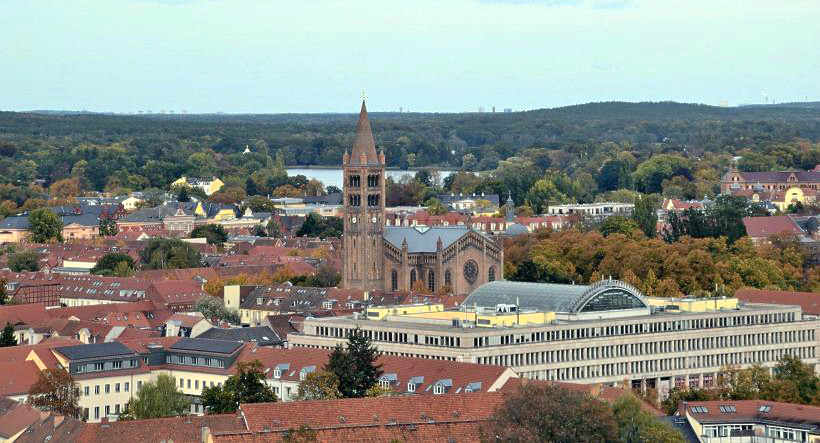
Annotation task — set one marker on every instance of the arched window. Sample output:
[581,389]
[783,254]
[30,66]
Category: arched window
[431,281]
[448,278]
[491,274]
[394,278]
[412,278]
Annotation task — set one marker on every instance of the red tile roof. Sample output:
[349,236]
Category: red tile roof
[751,411]
[398,410]
[17,377]
[29,314]
[808,301]
[763,227]
[17,419]
[184,429]
[462,431]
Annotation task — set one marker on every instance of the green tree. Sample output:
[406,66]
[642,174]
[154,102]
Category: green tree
[273,228]
[157,398]
[45,226]
[321,385]
[247,385]
[214,234]
[792,370]
[617,224]
[28,260]
[322,227]
[645,214]
[55,390]
[615,174]
[183,194]
[169,254]
[435,207]
[355,366]
[213,308]
[650,174]
[7,338]
[108,227]
[3,293]
[637,425]
[546,412]
[109,264]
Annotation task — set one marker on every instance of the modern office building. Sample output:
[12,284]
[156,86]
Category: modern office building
[608,333]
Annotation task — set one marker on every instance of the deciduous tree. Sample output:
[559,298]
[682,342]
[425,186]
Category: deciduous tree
[247,385]
[157,398]
[545,412]
[45,226]
[55,390]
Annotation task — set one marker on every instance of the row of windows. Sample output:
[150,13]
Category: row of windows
[107,387]
[194,360]
[651,346]
[373,200]
[431,278]
[354,181]
[104,366]
[634,329]
[632,368]
[186,384]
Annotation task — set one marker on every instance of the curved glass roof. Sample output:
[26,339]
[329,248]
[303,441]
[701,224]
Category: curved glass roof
[605,295]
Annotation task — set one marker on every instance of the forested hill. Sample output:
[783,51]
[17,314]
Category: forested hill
[152,150]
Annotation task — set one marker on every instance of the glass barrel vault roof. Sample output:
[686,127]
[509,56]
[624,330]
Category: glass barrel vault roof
[552,297]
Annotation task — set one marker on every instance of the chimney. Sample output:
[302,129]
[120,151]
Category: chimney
[205,433]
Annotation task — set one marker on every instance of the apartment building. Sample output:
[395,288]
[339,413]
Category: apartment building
[751,421]
[605,333]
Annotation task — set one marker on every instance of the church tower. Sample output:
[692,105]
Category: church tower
[364,193]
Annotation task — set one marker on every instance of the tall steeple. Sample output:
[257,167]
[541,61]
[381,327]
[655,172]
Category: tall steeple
[364,147]
[364,191]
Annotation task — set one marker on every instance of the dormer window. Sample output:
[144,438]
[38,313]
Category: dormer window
[438,389]
[277,373]
[411,387]
[302,375]
[384,384]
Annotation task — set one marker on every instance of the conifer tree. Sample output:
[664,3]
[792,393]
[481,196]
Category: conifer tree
[355,366]
[7,338]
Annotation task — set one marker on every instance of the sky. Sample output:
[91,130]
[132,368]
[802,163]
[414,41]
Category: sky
[275,56]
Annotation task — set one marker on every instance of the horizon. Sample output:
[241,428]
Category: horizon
[258,57]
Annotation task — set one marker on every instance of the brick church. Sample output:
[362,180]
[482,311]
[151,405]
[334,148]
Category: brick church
[376,257]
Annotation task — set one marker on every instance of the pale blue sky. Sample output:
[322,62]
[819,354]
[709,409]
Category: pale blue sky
[271,56]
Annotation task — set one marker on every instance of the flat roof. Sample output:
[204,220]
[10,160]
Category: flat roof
[206,345]
[659,315]
[95,350]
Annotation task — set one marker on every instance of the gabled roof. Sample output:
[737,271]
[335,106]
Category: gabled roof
[370,411]
[17,377]
[17,419]
[809,302]
[762,227]
[734,411]
[424,239]
[186,428]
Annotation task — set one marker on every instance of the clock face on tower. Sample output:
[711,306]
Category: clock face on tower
[353,220]
[375,219]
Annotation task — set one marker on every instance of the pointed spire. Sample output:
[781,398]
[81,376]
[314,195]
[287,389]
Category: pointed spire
[364,147]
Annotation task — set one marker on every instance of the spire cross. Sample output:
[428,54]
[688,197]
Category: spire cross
[364,96]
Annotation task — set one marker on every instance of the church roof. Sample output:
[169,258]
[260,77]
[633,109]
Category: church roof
[364,143]
[423,238]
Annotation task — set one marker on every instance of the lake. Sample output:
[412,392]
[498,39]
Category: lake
[334,176]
